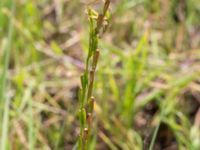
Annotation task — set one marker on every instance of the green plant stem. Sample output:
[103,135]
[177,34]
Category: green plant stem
[5,124]
[154,136]
[3,80]
[87,80]
[156,131]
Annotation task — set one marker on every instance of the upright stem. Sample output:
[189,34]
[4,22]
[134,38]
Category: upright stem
[87,79]
[4,100]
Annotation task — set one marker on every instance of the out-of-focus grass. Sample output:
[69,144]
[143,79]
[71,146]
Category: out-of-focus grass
[4,98]
[148,74]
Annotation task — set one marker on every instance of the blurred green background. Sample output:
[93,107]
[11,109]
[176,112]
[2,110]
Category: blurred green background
[148,74]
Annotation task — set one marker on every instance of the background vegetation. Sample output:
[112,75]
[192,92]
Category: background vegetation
[147,77]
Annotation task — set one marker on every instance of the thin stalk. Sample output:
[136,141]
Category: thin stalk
[31,126]
[31,123]
[5,125]
[154,136]
[156,132]
[3,81]
[87,79]
[6,56]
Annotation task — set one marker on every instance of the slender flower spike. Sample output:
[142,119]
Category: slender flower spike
[86,98]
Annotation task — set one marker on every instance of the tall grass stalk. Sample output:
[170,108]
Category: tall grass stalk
[4,100]
[154,136]
[5,124]
[31,127]
[97,22]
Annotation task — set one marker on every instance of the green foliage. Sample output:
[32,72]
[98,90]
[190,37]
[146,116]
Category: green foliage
[146,84]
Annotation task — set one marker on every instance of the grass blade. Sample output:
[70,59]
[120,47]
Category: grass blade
[3,82]
[5,124]
[154,137]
